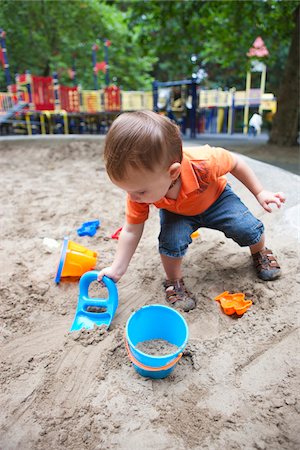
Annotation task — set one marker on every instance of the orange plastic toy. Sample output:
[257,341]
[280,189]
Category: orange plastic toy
[233,303]
[75,260]
[195,234]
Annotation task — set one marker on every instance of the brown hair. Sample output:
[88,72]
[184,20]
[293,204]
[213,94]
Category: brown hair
[141,139]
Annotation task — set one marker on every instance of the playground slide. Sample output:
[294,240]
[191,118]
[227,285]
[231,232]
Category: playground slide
[11,112]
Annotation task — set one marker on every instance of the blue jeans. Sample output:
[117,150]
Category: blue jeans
[228,214]
[252,131]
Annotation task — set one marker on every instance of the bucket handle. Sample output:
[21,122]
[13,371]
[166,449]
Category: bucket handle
[151,369]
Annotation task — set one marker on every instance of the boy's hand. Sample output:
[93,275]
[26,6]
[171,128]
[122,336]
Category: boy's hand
[110,273]
[264,198]
[127,243]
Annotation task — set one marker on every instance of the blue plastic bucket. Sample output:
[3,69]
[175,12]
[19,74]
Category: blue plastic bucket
[155,322]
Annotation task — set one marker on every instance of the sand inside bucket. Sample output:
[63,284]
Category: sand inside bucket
[158,347]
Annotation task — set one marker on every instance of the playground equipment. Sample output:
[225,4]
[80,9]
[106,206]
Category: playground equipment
[94,311]
[222,111]
[258,50]
[104,65]
[48,107]
[12,111]
[36,104]
[189,110]
[233,303]
[75,260]
[155,322]
[208,110]
[4,56]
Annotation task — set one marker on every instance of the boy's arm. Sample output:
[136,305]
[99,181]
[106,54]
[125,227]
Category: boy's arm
[245,174]
[127,244]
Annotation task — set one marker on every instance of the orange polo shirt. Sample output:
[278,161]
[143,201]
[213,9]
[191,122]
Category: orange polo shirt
[202,182]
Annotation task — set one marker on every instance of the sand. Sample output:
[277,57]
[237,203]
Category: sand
[236,387]
[158,347]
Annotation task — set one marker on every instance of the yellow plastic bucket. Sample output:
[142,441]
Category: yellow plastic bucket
[75,260]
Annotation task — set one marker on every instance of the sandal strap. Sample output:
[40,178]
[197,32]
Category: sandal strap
[175,290]
[265,260]
[178,295]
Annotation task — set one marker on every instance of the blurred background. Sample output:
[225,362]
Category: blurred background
[229,59]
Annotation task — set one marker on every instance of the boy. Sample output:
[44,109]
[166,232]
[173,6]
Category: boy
[144,157]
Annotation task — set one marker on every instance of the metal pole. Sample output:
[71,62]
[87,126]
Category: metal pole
[30,89]
[262,87]
[230,126]
[106,62]
[94,61]
[246,107]
[194,109]
[5,59]
[233,113]
[56,92]
[155,96]
[74,72]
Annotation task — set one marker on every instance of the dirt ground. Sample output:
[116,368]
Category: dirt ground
[237,385]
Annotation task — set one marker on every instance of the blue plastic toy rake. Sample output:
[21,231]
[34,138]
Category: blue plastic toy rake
[85,317]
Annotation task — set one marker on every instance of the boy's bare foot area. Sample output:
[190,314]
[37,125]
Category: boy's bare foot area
[178,295]
[266,265]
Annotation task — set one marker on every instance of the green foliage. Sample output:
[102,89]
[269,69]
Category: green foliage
[150,39]
[44,36]
[220,33]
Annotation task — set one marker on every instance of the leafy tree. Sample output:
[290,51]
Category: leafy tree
[45,36]
[155,40]
[220,34]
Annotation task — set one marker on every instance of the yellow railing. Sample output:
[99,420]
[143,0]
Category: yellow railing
[91,101]
[213,97]
[132,100]
[148,100]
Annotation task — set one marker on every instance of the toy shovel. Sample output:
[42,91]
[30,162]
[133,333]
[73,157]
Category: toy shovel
[86,315]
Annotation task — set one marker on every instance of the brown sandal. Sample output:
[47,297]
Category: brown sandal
[178,295]
[267,267]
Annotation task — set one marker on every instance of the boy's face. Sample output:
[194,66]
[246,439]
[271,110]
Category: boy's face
[145,186]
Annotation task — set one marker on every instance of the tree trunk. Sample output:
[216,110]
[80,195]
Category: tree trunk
[286,121]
